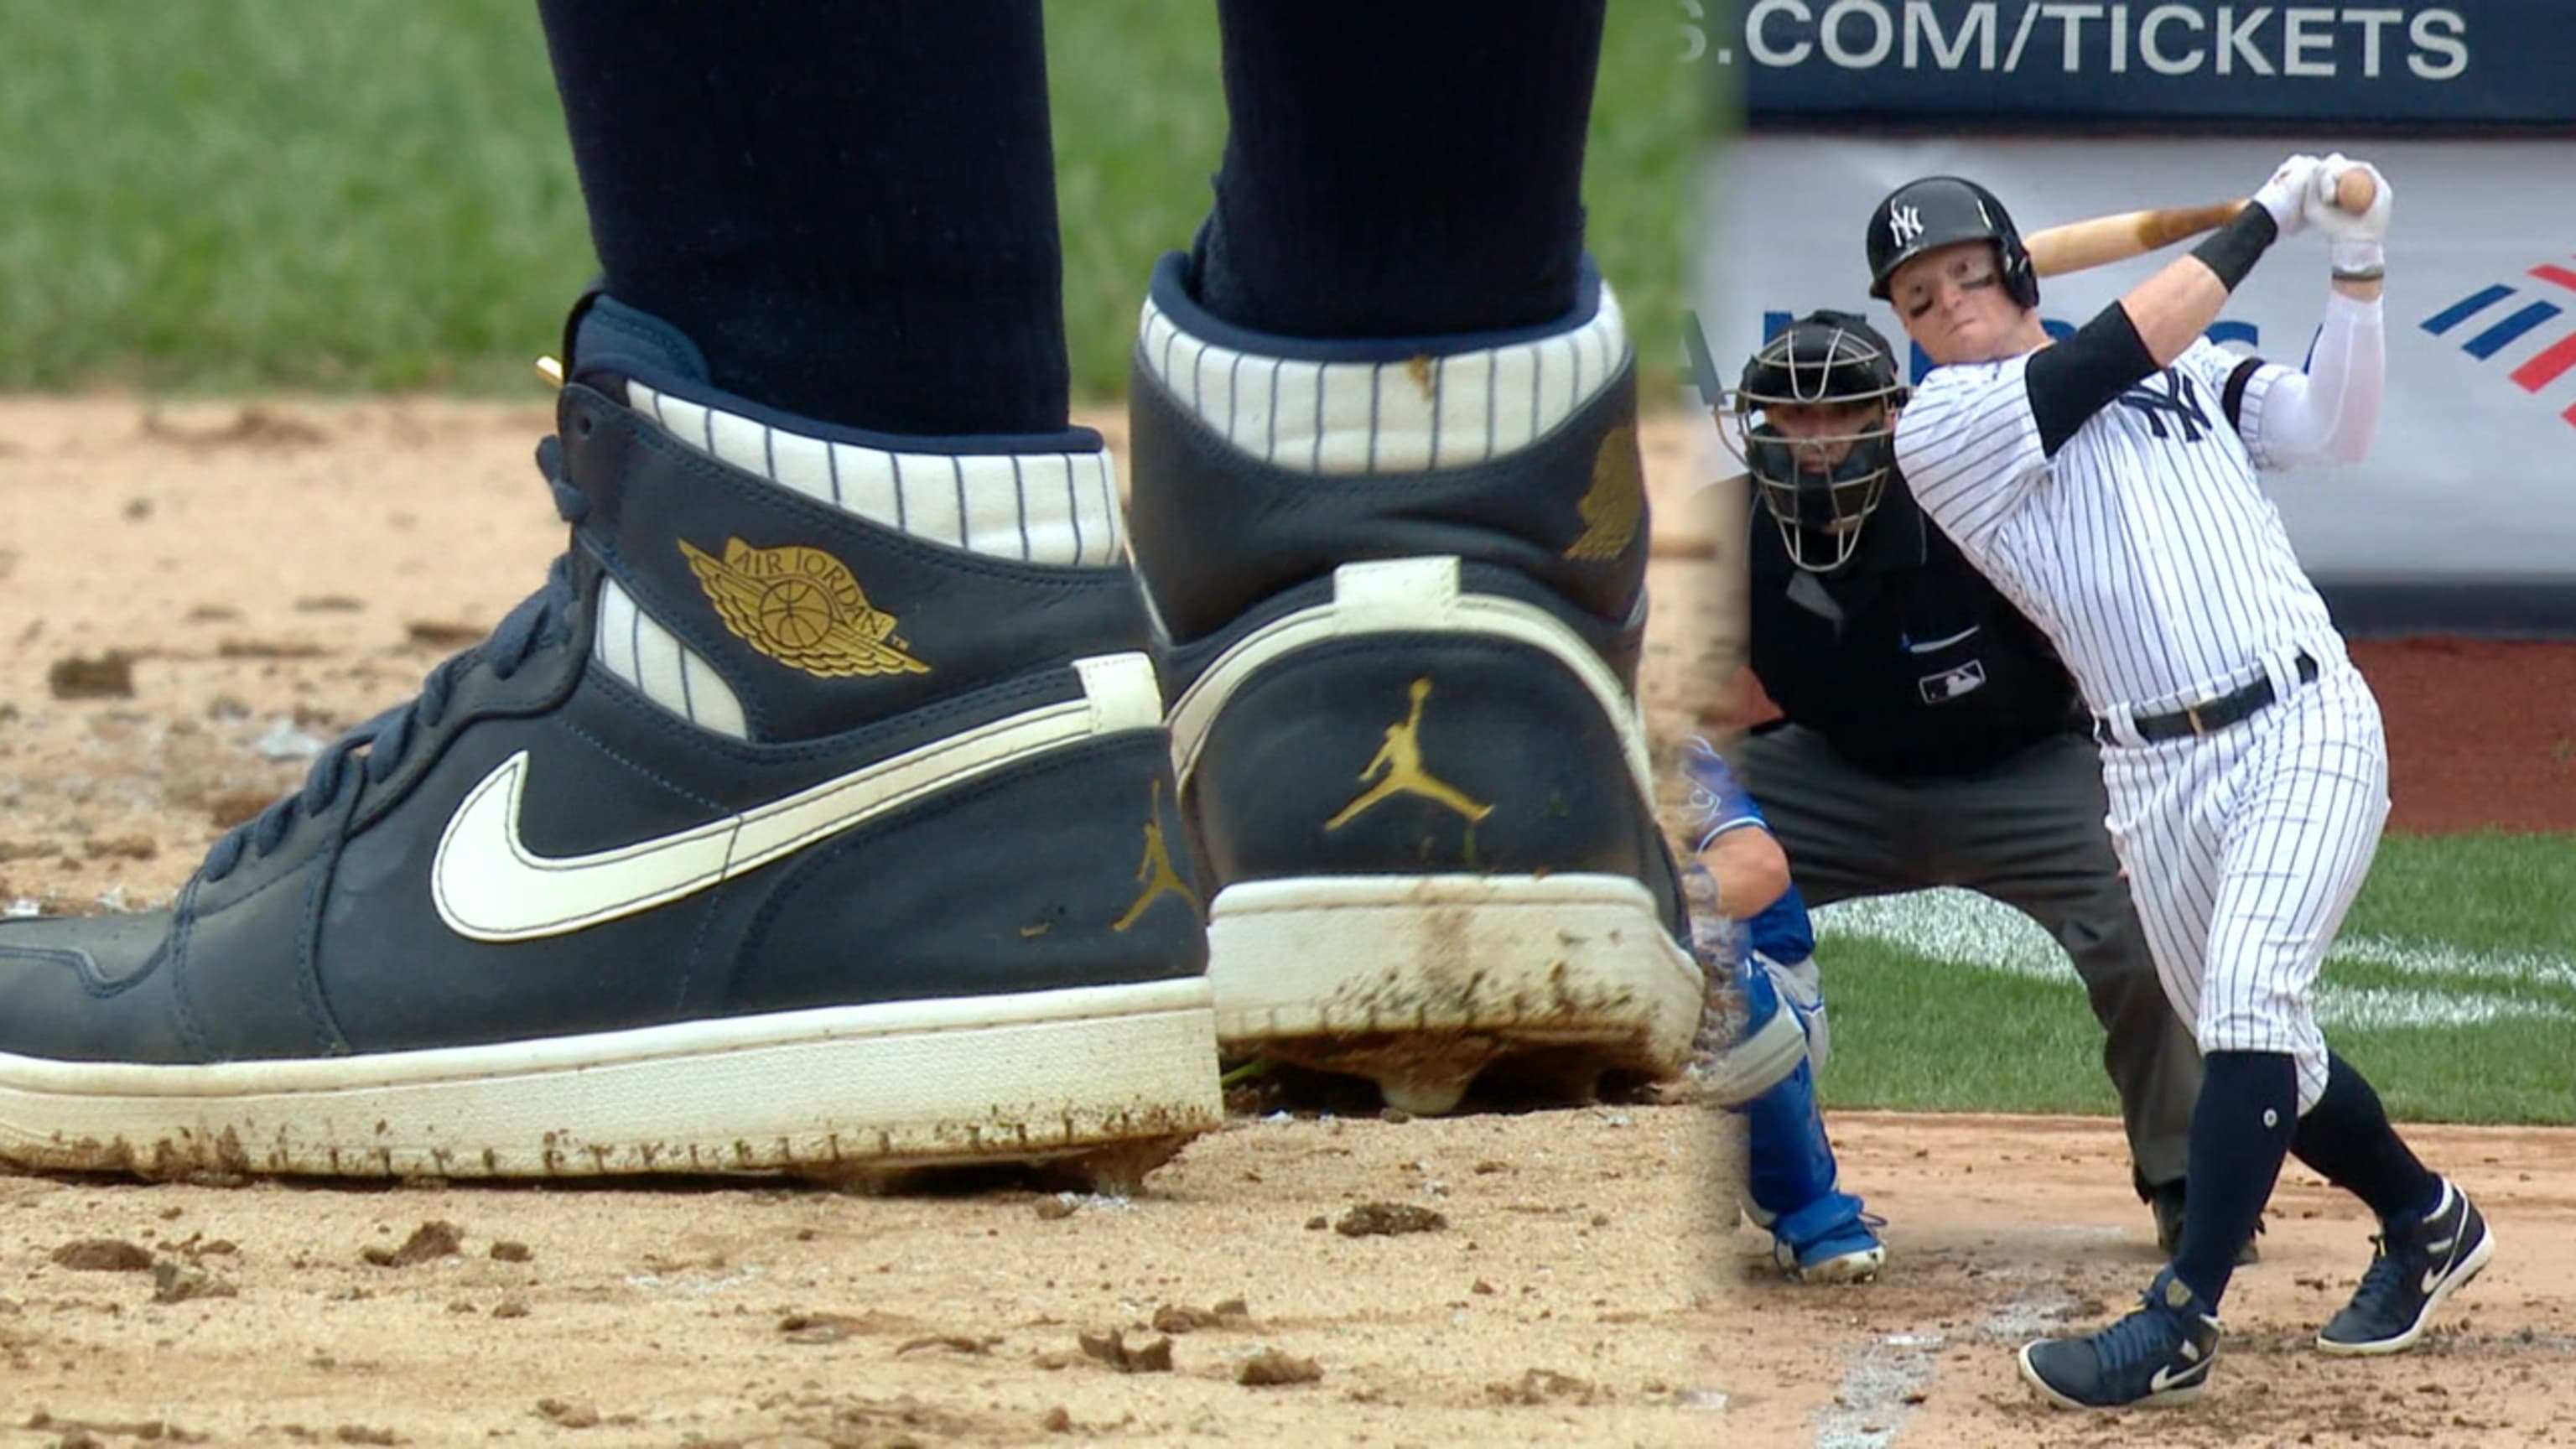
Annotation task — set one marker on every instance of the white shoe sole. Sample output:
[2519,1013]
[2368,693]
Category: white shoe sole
[1857,1267]
[1422,981]
[2460,1276]
[1101,1072]
[2167,1399]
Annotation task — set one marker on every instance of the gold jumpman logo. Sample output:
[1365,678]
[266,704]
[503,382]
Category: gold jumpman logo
[1398,771]
[1155,870]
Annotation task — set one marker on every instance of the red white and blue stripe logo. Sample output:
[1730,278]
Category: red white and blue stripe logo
[2499,328]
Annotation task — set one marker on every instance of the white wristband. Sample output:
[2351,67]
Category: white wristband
[2358,258]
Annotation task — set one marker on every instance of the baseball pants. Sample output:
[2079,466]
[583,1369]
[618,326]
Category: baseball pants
[2247,847]
[2027,832]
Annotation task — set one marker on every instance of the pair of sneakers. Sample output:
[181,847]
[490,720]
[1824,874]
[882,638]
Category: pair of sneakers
[2162,1352]
[847,802]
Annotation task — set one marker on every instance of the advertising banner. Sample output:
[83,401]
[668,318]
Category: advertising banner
[2472,477]
[2022,65]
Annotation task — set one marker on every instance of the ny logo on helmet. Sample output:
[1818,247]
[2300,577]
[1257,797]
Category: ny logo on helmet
[1904,223]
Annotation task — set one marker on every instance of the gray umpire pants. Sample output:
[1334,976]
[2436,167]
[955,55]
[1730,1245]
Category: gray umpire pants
[2028,832]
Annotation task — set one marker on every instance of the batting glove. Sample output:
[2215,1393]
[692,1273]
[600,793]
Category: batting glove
[2285,195]
[2355,237]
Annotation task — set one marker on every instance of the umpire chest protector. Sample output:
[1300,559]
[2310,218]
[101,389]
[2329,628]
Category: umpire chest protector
[1905,658]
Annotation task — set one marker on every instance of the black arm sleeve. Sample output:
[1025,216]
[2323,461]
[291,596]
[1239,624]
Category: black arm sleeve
[2078,377]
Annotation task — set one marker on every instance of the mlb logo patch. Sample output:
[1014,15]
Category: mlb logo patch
[1949,685]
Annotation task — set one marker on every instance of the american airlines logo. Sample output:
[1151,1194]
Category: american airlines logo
[2500,327]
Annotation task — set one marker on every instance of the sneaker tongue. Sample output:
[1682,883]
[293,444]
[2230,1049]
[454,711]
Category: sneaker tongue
[616,340]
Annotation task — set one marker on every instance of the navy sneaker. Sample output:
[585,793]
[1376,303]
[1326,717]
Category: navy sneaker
[2414,1265]
[2160,1354]
[1403,588]
[776,833]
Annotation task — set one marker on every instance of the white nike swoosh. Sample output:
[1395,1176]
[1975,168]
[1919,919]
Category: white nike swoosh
[489,886]
[1929,645]
[2165,1377]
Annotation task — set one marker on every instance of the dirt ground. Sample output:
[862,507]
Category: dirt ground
[2002,1229]
[196,598]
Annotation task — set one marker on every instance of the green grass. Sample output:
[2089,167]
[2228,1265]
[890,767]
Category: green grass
[2453,989]
[374,194]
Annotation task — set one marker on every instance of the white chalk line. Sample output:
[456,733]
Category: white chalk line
[1962,928]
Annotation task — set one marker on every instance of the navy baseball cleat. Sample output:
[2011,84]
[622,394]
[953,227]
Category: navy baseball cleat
[815,817]
[1403,588]
[2413,1267]
[2159,1354]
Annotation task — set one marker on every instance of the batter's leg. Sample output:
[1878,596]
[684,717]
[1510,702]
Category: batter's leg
[2029,833]
[2305,793]
[1843,828]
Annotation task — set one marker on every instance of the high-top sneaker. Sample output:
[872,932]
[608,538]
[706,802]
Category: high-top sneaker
[816,816]
[1403,588]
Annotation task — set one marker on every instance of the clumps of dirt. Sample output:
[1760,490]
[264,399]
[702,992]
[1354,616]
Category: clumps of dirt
[330,604]
[958,1342]
[109,676]
[1269,1368]
[365,1434]
[436,634]
[268,649]
[428,1243]
[1150,1356]
[1543,1386]
[1176,1318]
[1389,1219]
[121,847]
[833,1327]
[228,808]
[569,1414]
[507,1251]
[179,1283]
[254,426]
[102,1255]
[93,1433]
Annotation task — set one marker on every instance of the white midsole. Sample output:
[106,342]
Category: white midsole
[1574,957]
[1022,1074]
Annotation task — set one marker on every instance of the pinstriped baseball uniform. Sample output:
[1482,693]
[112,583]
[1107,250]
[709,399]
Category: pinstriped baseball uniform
[2147,553]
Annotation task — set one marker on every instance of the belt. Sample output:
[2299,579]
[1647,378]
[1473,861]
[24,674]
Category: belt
[2209,716]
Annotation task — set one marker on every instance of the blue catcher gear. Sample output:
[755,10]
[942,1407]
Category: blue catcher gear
[1819,1233]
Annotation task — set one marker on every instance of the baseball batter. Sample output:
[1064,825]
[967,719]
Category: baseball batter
[2106,484]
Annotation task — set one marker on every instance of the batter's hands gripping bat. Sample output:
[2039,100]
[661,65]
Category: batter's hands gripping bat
[2101,240]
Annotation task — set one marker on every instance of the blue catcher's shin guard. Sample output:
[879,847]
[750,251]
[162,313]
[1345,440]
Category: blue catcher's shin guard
[1819,1232]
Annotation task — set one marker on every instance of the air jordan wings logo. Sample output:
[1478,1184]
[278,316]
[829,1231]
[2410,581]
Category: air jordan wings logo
[1397,769]
[1155,870]
[802,608]
[1616,502]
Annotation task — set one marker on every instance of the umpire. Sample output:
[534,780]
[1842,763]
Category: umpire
[1930,736]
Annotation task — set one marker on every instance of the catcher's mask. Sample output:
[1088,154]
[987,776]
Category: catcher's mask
[1814,422]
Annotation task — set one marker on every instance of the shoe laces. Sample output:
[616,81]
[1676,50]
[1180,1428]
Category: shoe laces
[375,749]
[2383,1284]
[2148,1333]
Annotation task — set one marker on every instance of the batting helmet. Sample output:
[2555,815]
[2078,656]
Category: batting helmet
[1938,211]
[1818,487]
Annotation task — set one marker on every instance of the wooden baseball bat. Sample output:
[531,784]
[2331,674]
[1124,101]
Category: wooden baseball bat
[2101,240]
